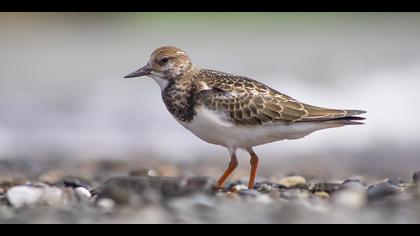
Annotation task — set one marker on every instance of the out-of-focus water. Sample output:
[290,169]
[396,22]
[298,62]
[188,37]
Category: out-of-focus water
[62,88]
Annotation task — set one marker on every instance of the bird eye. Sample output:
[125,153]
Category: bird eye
[164,60]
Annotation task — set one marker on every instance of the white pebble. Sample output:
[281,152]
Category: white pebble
[21,196]
[83,193]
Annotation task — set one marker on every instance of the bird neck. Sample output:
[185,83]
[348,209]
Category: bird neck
[180,98]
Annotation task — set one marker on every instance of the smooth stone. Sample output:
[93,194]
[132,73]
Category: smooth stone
[21,196]
[292,181]
[381,191]
[83,193]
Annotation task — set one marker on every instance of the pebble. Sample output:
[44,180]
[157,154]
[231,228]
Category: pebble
[83,193]
[21,196]
[292,181]
[416,177]
[265,188]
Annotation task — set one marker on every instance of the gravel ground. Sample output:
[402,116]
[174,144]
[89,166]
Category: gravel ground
[110,191]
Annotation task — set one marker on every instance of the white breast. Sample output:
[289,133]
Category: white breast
[215,128]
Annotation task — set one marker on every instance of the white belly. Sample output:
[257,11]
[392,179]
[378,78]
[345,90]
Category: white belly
[216,129]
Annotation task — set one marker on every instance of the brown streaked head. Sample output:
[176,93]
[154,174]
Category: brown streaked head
[166,63]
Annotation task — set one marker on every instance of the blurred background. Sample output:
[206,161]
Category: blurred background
[62,95]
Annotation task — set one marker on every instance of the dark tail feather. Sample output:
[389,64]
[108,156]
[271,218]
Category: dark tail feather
[350,119]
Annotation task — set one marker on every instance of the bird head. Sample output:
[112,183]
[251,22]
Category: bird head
[166,63]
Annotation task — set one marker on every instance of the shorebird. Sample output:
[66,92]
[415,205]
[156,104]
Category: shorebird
[234,111]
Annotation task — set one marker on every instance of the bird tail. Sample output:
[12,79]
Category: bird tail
[351,118]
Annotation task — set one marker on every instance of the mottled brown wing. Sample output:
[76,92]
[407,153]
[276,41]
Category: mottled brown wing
[248,102]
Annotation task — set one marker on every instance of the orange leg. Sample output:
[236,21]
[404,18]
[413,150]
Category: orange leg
[232,166]
[254,167]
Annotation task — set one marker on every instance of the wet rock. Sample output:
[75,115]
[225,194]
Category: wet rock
[381,191]
[136,190]
[21,196]
[292,181]
[416,177]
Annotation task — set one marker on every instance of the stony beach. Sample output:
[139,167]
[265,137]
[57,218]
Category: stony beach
[116,191]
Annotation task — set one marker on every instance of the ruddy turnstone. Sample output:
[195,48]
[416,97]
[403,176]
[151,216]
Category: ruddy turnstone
[234,111]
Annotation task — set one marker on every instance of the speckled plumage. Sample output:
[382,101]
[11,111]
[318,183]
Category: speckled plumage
[234,111]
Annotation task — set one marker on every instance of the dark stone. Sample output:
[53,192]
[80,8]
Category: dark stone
[132,190]
[381,191]
[416,177]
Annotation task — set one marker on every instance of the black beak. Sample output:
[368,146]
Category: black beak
[140,72]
